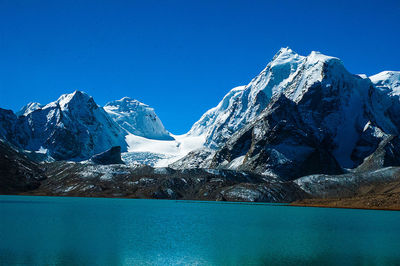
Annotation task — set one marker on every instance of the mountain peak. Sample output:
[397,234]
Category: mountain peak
[284,56]
[283,50]
[387,80]
[137,118]
[29,108]
[126,104]
[76,98]
[315,57]
[386,75]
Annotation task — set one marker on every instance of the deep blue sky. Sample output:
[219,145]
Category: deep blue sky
[180,57]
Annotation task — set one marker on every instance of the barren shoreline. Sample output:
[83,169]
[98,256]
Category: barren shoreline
[389,202]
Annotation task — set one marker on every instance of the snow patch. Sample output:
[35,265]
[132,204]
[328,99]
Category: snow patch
[168,151]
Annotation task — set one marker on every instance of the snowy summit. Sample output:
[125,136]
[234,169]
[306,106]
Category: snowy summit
[137,118]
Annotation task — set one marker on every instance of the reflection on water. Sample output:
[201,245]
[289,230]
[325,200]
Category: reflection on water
[116,232]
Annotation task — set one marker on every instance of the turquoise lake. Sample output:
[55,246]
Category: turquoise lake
[94,231]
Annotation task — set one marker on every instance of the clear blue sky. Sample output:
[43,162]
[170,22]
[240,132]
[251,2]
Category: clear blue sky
[180,57]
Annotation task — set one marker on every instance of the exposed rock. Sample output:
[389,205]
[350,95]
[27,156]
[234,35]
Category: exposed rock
[387,154]
[195,159]
[78,179]
[17,172]
[111,156]
[165,194]
[279,143]
[263,192]
[346,185]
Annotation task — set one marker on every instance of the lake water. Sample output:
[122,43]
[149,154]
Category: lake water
[91,231]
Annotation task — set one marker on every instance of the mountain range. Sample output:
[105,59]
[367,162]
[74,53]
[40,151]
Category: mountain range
[300,116]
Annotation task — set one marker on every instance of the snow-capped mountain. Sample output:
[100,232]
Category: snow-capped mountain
[137,118]
[337,117]
[29,108]
[299,112]
[73,127]
[387,80]
[243,104]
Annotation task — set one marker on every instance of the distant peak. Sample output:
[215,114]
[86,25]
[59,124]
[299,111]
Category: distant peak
[285,56]
[284,51]
[29,108]
[33,105]
[126,99]
[387,79]
[77,97]
[78,93]
[385,75]
[126,103]
[316,56]
[130,100]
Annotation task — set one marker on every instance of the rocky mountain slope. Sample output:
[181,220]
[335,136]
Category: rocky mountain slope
[17,172]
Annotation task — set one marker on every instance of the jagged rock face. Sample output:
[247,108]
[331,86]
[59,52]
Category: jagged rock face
[279,144]
[137,119]
[387,154]
[17,172]
[262,192]
[243,104]
[332,102]
[12,128]
[349,184]
[8,120]
[111,156]
[368,142]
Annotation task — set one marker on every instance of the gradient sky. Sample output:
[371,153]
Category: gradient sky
[180,57]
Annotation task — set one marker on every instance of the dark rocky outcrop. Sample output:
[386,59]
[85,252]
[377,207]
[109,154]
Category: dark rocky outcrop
[279,143]
[111,156]
[375,189]
[387,154]
[347,185]
[17,172]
